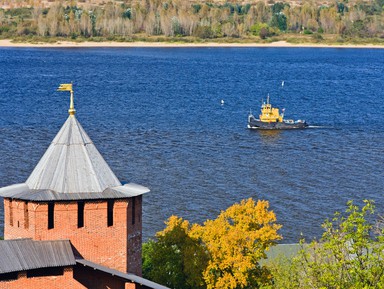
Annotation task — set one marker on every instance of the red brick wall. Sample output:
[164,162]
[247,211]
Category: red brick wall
[51,282]
[96,279]
[15,215]
[117,246]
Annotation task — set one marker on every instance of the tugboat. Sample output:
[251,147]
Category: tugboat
[270,118]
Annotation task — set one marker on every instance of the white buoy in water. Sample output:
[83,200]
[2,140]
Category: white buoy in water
[222,101]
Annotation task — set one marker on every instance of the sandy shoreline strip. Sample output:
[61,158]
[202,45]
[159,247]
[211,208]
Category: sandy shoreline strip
[69,44]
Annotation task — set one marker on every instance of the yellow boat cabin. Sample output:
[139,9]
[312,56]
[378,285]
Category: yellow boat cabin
[269,113]
[270,118]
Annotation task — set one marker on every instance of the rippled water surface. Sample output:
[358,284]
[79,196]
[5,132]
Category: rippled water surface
[155,114]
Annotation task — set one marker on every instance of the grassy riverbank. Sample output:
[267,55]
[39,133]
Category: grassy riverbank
[284,40]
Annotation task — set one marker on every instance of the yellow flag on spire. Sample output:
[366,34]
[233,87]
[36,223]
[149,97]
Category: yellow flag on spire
[65,87]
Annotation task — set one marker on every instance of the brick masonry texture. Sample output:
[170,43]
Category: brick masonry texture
[52,282]
[117,246]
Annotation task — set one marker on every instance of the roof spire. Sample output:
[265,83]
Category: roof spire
[68,87]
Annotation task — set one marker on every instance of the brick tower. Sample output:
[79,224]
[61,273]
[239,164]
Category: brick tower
[73,194]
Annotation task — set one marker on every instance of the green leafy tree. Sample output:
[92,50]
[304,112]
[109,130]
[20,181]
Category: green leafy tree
[175,259]
[278,7]
[256,28]
[204,31]
[349,255]
[279,20]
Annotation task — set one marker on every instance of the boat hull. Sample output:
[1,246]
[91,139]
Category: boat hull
[254,123]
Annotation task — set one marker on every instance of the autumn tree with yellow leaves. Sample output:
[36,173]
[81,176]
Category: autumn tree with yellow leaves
[223,253]
[236,241]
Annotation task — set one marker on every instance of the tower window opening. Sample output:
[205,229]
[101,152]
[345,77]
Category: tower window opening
[44,272]
[10,213]
[51,223]
[26,216]
[80,214]
[110,204]
[9,276]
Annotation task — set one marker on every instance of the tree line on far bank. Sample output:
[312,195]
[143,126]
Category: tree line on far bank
[178,18]
[230,252]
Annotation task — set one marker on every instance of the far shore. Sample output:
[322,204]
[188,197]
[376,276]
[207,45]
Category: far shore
[69,44]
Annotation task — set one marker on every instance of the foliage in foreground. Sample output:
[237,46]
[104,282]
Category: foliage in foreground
[349,255]
[223,253]
[226,252]
[175,259]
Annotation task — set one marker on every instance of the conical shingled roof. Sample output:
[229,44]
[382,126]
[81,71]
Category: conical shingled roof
[72,164]
[72,169]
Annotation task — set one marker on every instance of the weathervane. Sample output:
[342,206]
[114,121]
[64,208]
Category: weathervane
[68,87]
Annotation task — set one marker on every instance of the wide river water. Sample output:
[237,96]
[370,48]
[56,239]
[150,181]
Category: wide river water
[156,115]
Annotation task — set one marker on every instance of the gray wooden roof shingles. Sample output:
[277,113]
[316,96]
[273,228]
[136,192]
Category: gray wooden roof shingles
[72,164]
[26,254]
[72,169]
